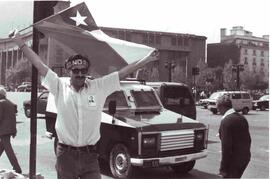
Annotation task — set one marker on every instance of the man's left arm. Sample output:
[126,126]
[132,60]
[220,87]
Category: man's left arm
[125,71]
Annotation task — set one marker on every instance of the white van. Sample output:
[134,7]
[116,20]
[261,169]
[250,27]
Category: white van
[241,101]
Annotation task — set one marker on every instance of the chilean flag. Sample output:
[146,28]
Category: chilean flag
[77,30]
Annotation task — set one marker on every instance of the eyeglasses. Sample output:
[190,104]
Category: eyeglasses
[76,70]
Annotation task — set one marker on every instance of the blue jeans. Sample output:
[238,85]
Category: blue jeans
[74,164]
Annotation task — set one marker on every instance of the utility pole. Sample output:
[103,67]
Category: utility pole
[238,68]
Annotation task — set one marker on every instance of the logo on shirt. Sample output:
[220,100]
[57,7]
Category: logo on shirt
[92,100]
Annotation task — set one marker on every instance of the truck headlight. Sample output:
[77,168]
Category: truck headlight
[199,140]
[199,136]
[149,142]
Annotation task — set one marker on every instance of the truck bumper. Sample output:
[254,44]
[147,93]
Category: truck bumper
[154,162]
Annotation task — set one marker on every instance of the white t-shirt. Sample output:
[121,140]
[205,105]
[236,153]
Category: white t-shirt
[79,113]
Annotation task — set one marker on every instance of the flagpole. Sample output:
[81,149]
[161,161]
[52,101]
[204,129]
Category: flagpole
[42,9]
[26,28]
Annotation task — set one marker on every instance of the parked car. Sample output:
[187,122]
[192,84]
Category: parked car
[176,97]
[203,103]
[139,132]
[262,103]
[24,87]
[241,101]
[41,104]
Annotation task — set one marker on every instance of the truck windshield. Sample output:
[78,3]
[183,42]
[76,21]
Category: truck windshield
[145,99]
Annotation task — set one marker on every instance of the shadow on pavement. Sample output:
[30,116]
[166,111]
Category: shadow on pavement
[161,173]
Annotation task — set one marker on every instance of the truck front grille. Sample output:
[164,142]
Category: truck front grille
[174,140]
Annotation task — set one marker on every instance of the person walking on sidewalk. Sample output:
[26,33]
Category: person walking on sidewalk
[8,128]
[235,140]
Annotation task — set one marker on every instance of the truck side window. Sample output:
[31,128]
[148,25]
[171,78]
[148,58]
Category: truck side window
[177,96]
[117,96]
[236,96]
[246,96]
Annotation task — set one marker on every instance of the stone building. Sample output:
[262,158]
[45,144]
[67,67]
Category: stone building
[241,47]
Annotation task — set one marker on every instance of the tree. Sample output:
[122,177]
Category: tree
[228,78]
[19,73]
[253,81]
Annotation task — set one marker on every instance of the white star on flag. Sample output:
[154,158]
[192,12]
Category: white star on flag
[79,19]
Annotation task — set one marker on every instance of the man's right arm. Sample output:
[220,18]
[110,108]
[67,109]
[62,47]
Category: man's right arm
[30,54]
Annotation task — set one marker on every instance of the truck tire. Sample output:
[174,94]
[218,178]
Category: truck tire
[119,162]
[214,111]
[183,167]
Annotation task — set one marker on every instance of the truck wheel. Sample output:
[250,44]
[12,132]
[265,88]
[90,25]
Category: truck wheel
[183,167]
[120,164]
[214,111]
[245,110]
[27,112]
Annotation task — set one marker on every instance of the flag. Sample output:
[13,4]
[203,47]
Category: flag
[75,28]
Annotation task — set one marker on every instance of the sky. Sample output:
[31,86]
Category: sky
[197,17]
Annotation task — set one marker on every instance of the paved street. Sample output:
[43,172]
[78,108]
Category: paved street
[204,168]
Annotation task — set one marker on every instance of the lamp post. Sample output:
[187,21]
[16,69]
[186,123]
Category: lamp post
[170,65]
[238,68]
[195,71]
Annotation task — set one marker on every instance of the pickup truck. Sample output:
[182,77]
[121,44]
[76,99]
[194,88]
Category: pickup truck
[137,131]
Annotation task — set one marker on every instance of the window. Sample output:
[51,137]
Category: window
[262,53]
[236,96]
[246,51]
[180,41]
[246,96]
[145,98]
[254,62]
[186,41]
[121,35]
[120,99]
[128,36]
[178,96]
[158,39]
[151,38]
[145,38]
[246,61]
[173,41]
[254,52]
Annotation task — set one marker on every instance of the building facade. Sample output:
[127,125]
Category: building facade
[241,47]
[10,55]
[178,53]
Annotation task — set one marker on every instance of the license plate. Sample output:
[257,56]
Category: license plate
[155,163]
[151,163]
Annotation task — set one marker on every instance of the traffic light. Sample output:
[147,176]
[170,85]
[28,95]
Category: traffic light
[195,71]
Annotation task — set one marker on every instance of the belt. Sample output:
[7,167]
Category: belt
[88,148]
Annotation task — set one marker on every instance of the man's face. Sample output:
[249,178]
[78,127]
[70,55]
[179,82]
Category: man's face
[78,74]
[222,109]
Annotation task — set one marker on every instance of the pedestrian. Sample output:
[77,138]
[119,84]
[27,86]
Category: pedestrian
[79,103]
[235,140]
[8,128]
